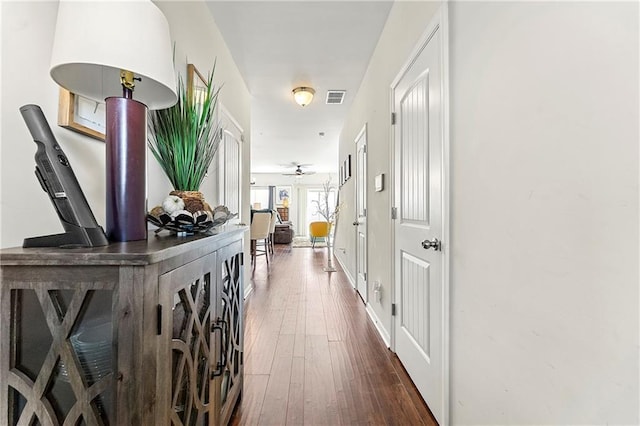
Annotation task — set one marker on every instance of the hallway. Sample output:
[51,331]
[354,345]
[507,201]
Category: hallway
[312,356]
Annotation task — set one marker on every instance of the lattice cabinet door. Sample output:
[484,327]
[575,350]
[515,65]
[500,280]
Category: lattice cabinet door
[185,345]
[58,348]
[230,300]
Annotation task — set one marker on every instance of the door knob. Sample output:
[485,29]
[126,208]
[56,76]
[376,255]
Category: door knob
[435,244]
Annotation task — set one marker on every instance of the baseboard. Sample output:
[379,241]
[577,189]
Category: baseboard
[247,291]
[372,315]
[381,330]
[346,271]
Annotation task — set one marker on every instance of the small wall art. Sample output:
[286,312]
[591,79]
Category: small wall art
[82,115]
[283,193]
[344,165]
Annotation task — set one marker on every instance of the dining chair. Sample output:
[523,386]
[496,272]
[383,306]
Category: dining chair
[260,235]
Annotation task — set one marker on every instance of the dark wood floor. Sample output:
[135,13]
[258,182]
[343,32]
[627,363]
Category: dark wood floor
[312,356]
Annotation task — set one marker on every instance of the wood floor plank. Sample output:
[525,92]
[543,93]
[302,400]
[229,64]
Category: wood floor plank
[353,392]
[315,321]
[253,392]
[391,394]
[299,344]
[301,327]
[290,319]
[335,324]
[414,395]
[274,408]
[259,358]
[320,404]
[251,322]
[312,354]
[295,406]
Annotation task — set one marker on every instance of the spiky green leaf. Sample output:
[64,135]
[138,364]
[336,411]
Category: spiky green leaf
[184,138]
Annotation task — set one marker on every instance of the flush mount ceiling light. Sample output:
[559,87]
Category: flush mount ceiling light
[303,95]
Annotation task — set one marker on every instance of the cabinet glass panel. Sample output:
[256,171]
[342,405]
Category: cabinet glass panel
[62,356]
[230,299]
[191,322]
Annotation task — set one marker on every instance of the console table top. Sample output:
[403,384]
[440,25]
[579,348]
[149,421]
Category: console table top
[155,248]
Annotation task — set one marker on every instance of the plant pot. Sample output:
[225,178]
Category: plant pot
[193,201]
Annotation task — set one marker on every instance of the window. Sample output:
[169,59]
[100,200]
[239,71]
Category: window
[317,199]
[260,197]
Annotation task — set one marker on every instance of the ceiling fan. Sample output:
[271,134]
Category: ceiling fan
[299,171]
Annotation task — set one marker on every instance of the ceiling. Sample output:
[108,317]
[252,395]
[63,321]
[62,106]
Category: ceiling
[281,45]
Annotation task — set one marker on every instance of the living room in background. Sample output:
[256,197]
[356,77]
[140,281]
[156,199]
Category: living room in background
[315,198]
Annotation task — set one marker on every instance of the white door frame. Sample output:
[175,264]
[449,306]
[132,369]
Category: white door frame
[363,132]
[440,20]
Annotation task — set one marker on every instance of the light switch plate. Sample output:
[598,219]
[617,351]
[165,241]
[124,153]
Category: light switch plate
[379,182]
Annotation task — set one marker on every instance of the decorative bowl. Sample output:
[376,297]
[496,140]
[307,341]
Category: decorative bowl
[190,223]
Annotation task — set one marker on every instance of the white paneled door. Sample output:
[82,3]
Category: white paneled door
[418,227]
[228,162]
[361,215]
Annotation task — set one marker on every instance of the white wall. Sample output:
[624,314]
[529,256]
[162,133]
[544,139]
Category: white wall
[27,37]
[544,198]
[544,171]
[27,32]
[277,179]
[406,22]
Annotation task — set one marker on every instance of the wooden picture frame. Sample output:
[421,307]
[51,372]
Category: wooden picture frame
[81,115]
[349,167]
[282,193]
[196,83]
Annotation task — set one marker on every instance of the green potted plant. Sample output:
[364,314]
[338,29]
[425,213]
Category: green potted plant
[184,139]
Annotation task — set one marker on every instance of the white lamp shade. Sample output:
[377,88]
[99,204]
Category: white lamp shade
[94,40]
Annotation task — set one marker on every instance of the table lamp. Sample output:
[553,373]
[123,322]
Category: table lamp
[115,51]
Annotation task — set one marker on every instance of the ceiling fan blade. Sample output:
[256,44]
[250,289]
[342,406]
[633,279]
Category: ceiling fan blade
[295,164]
[298,171]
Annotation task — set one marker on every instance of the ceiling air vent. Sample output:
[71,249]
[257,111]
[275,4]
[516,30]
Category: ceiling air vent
[335,97]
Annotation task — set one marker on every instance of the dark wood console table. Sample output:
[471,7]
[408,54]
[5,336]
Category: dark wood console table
[138,333]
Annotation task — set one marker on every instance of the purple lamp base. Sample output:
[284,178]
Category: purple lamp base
[126,140]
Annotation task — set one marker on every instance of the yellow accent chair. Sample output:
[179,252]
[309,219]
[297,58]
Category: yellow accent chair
[318,230]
